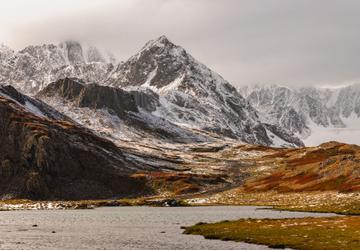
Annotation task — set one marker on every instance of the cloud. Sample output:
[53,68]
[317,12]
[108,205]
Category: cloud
[298,42]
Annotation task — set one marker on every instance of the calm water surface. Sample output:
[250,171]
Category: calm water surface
[123,227]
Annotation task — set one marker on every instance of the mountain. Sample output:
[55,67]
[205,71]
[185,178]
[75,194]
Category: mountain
[34,67]
[192,95]
[185,95]
[44,156]
[172,87]
[315,114]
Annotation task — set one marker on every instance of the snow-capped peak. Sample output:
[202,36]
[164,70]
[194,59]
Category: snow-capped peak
[158,42]
[191,94]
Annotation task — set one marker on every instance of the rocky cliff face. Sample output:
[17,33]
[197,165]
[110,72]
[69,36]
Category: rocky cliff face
[92,96]
[46,158]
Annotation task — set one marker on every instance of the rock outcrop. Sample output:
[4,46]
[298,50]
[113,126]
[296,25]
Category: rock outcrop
[45,158]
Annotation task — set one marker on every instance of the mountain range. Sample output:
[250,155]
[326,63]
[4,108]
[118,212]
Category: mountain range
[172,88]
[33,67]
[314,114]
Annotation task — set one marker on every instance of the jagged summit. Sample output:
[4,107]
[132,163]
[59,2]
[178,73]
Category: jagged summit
[160,41]
[158,64]
[161,63]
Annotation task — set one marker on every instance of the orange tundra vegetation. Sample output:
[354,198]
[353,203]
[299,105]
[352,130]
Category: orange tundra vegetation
[331,166]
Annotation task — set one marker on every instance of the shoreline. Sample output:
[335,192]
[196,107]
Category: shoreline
[338,232]
[319,202]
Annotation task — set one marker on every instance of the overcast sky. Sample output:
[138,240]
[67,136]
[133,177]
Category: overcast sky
[246,41]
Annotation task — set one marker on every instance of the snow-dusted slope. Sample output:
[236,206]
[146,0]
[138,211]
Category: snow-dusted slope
[5,53]
[34,67]
[114,113]
[31,105]
[315,114]
[190,94]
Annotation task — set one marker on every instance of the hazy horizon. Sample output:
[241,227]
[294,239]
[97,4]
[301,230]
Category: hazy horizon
[297,43]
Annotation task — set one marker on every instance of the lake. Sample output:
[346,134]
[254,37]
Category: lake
[124,227]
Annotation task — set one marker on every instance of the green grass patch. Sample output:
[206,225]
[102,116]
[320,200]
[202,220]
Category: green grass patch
[324,233]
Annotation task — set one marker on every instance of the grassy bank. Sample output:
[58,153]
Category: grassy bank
[325,233]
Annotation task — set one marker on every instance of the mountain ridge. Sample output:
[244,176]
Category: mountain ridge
[32,68]
[305,111]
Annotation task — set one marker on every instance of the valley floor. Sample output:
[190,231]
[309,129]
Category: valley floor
[319,179]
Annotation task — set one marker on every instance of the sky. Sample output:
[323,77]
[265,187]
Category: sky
[290,42]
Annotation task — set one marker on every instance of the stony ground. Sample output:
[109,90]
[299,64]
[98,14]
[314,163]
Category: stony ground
[327,201]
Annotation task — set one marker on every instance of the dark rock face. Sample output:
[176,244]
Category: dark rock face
[92,96]
[41,158]
[13,93]
[69,89]
[146,99]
